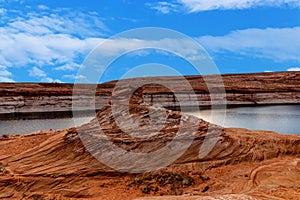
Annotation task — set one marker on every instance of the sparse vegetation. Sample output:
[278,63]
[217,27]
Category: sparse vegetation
[172,182]
[205,189]
[204,178]
[5,136]
[2,169]
[36,197]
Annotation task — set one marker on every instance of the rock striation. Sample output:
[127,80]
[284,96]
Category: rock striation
[164,154]
[64,165]
[240,89]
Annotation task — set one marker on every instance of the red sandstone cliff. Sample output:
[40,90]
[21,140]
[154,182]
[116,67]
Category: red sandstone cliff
[249,89]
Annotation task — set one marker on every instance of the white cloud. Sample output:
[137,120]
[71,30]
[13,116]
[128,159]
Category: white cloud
[205,5]
[53,41]
[68,67]
[57,39]
[60,22]
[5,75]
[4,72]
[73,77]
[5,79]
[43,7]
[163,7]
[294,69]
[181,46]
[61,41]
[51,80]
[2,11]
[36,72]
[279,44]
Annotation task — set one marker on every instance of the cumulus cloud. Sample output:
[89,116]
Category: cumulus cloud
[68,67]
[294,69]
[61,42]
[2,11]
[42,76]
[4,72]
[59,21]
[163,7]
[36,72]
[73,77]
[5,79]
[42,7]
[5,75]
[59,39]
[51,80]
[50,39]
[279,44]
[205,5]
[184,47]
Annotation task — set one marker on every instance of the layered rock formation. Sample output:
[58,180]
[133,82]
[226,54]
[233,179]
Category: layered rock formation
[135,150]
[241,164]
[241,89]
[48,97]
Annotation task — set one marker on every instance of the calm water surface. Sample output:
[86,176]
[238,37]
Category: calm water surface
[282,119]
[26,126]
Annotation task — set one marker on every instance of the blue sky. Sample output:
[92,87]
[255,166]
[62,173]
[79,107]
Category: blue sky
[47,41]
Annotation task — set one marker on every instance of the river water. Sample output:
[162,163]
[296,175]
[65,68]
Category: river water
[282,119]
[30,125]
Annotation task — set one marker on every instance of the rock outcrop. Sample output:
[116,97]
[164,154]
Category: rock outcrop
[242,164]
[133,149]
[241,89]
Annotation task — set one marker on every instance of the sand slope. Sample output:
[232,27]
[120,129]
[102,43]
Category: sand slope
[243,164]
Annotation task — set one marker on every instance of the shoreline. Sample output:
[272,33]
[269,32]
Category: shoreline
[61,164]
[87,113]
[240,90]
[42,161]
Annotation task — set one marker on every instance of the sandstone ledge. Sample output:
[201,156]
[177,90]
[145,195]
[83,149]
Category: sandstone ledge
[241,89]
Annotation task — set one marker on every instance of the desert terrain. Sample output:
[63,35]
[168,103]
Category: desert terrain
[61,164]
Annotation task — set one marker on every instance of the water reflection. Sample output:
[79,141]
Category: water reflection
[26,126]
[282,119]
